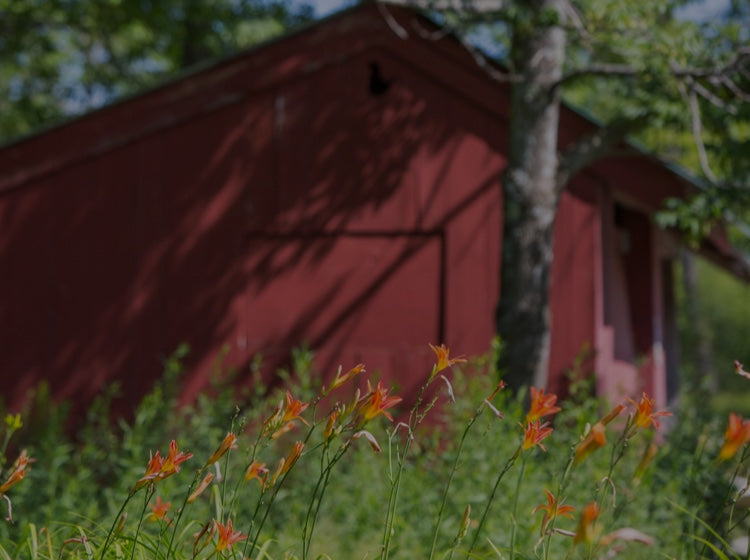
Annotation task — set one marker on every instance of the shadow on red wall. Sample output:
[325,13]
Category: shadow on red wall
[312,211]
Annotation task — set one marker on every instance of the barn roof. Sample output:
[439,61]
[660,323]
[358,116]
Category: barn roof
[358,31]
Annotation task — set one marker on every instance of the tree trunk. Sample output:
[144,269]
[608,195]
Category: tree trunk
[195,31]
[531,192]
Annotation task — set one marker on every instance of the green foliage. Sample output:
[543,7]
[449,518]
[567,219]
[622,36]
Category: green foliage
[723,304]
[664,60]
[694,218]
[73,492]
[61,58]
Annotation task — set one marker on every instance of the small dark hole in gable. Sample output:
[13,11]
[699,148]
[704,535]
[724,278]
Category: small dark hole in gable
[378,83]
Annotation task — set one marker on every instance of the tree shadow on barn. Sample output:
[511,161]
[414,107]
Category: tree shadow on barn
[311,211]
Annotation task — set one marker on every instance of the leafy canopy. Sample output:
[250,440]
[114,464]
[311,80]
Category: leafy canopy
[60,58]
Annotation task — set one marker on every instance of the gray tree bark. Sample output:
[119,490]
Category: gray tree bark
[531,192]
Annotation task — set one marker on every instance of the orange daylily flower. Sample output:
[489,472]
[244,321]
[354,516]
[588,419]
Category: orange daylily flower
[534,434]
[161,467]
[285,464]
[553,509]
[443,358]
[330,424]
[201,487]
[152,469]
[339,380]
[736,435]
[229,442]
[227,537]
[282,420]
[259,471]
[377,402]
[159,510]
[612,414]
[173,460]
[586,532]
[294,408]
[644,415]
[541,405]
[596,436]
[595,439]
[288,427]
[18,472]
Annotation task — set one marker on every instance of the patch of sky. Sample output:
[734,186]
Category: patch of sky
[697,10]
[483,37]
[323,8]
[703,11]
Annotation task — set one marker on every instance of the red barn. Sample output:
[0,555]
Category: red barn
[340,187]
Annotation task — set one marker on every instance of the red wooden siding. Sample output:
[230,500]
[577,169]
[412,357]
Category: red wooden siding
[309,211]
[574,281]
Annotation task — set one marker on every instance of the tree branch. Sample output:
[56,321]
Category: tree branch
[612,69]
[436,35]
[484,7]
[697,128]
[396,27]
[485,64]
[741,56]
[735,89]
[597,69]
[711,97]
[481,60]
[589,148]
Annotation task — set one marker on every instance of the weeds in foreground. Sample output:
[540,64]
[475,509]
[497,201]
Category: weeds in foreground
[296,481]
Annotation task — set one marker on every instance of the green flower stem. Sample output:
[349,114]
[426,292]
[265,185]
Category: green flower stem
[560,490]
[508,466]
[227,455]
[317,495]
[252,522]
[727,497]
[471,422]
[196,479]
[276,489]
[253,454]
[108,540]
[6,440]
[730,488]
[148,495]
[393,495]
[313,509]
[164,523]
[415,418]
[265,515]
[515,508]
[618,452]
